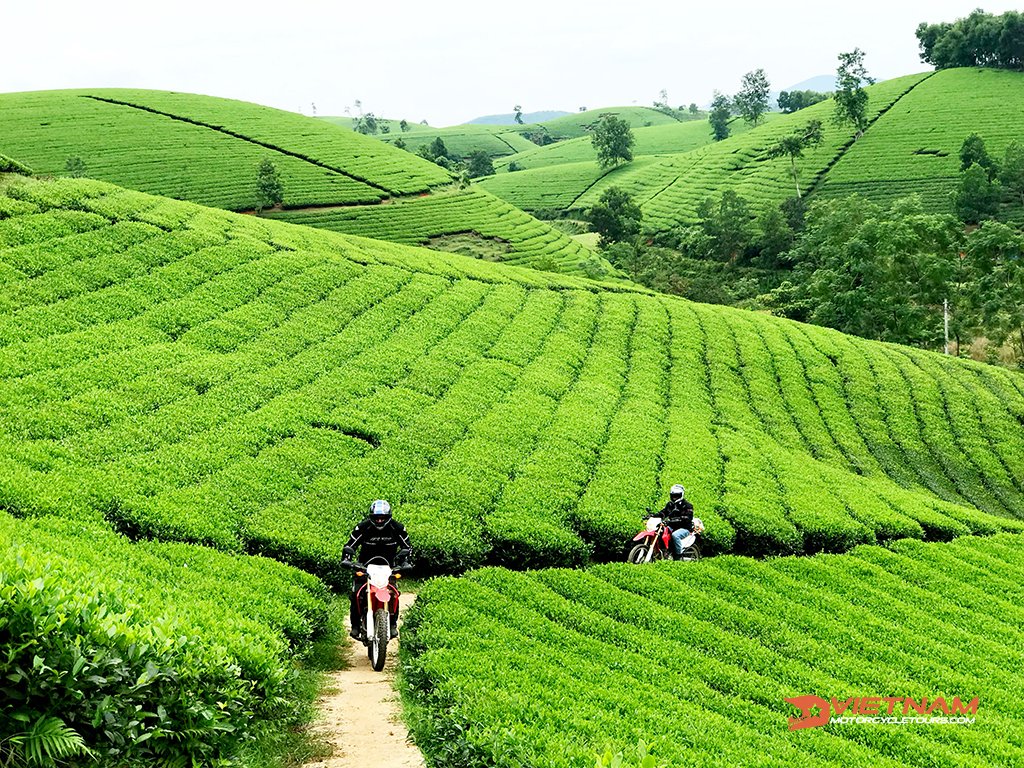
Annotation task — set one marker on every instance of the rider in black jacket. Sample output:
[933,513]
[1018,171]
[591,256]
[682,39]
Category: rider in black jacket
[678,515]
[379,535]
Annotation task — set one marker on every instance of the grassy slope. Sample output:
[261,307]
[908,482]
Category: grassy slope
[915,147]
[556,176]
[206,150]
[912,147]
[698,658]
[196,375]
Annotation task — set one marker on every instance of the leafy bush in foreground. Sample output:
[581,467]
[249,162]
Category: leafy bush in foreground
[163,654]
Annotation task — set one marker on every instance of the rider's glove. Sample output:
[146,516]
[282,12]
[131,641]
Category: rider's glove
[349,553]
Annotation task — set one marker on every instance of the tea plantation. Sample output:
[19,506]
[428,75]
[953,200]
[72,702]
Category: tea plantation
[918,123]
[193,375]
[206,150]
[546,667]
[187,376]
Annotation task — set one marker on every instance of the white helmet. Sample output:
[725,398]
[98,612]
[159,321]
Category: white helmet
[676,492]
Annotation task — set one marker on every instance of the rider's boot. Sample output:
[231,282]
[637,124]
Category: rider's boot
[394,625]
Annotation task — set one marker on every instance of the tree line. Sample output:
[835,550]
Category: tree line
[979,40]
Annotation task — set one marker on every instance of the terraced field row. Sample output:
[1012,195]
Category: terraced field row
[916,145]
[203,148]
[701,658]
[194,375]
[667,139]
[517,237]
[463,140]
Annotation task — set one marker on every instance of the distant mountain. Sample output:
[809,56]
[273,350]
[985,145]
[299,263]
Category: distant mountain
[510,118]
[821,83]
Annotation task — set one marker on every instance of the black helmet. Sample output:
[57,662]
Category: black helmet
[676,492]
[380,513]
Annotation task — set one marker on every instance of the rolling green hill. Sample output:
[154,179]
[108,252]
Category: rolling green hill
[185,376]
[206,150]
[700,658]
[912,145]
[194,375]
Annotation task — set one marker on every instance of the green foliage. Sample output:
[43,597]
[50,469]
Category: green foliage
[616,217]
[269,189]
[7,165]
[644,758]
[1011,173]
[204,148]
[883,273]
[751,101]
[793,146]
[977,196]
[851,100]
[995,253]
[480,164]
[149,653]
[191,375]
[727,225]
[703,658]
[973,152]
[518,110]
[613,140]
[721,111]
[74,167]
[794,101]
[978,40]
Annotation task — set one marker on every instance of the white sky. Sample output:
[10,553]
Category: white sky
[449,61]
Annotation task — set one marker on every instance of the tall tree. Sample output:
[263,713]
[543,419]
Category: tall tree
[851,98]
[996,254]
[615,217]
[978,40]
[269,188]
[721,111]
[480,164]
[519,114]
[976,197]
[973,152]
[752,99]
[1011,174]
[793,146]
[613,140]
[728,223]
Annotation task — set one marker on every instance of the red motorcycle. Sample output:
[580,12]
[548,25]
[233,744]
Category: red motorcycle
[655,543]
[379,602]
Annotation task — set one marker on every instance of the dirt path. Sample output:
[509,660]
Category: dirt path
[360,714]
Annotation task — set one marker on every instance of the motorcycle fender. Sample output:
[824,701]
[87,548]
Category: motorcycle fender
[379,598]
[665,537]
[643,535]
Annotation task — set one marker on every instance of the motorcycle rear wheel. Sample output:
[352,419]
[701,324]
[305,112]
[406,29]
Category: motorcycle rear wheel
[690,554]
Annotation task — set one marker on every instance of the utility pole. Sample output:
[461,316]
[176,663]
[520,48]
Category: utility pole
[945,322]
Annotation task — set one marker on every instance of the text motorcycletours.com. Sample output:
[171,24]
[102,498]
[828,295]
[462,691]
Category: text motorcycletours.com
[882,710]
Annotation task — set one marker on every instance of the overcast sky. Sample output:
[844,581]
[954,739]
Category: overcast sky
[448,62]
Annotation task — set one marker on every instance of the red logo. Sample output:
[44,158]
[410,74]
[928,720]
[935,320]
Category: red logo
[881,710]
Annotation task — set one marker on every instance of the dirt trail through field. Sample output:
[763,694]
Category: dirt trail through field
[361,717]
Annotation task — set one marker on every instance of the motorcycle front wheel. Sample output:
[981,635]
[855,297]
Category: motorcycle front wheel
[637,554]
[379,642]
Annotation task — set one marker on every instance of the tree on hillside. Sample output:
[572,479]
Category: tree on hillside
[615,217]
[404,125]
[399,143]
[519,114]
[721,111]
[613,140]
[1011,174]
[269,189]
[794,101]
[979,40]
[793,146]
[480,164]
[851,98]
[694,109]
[973,152]
[728,223]
[977,196]
[996,255]
[74,167]
[752,99]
